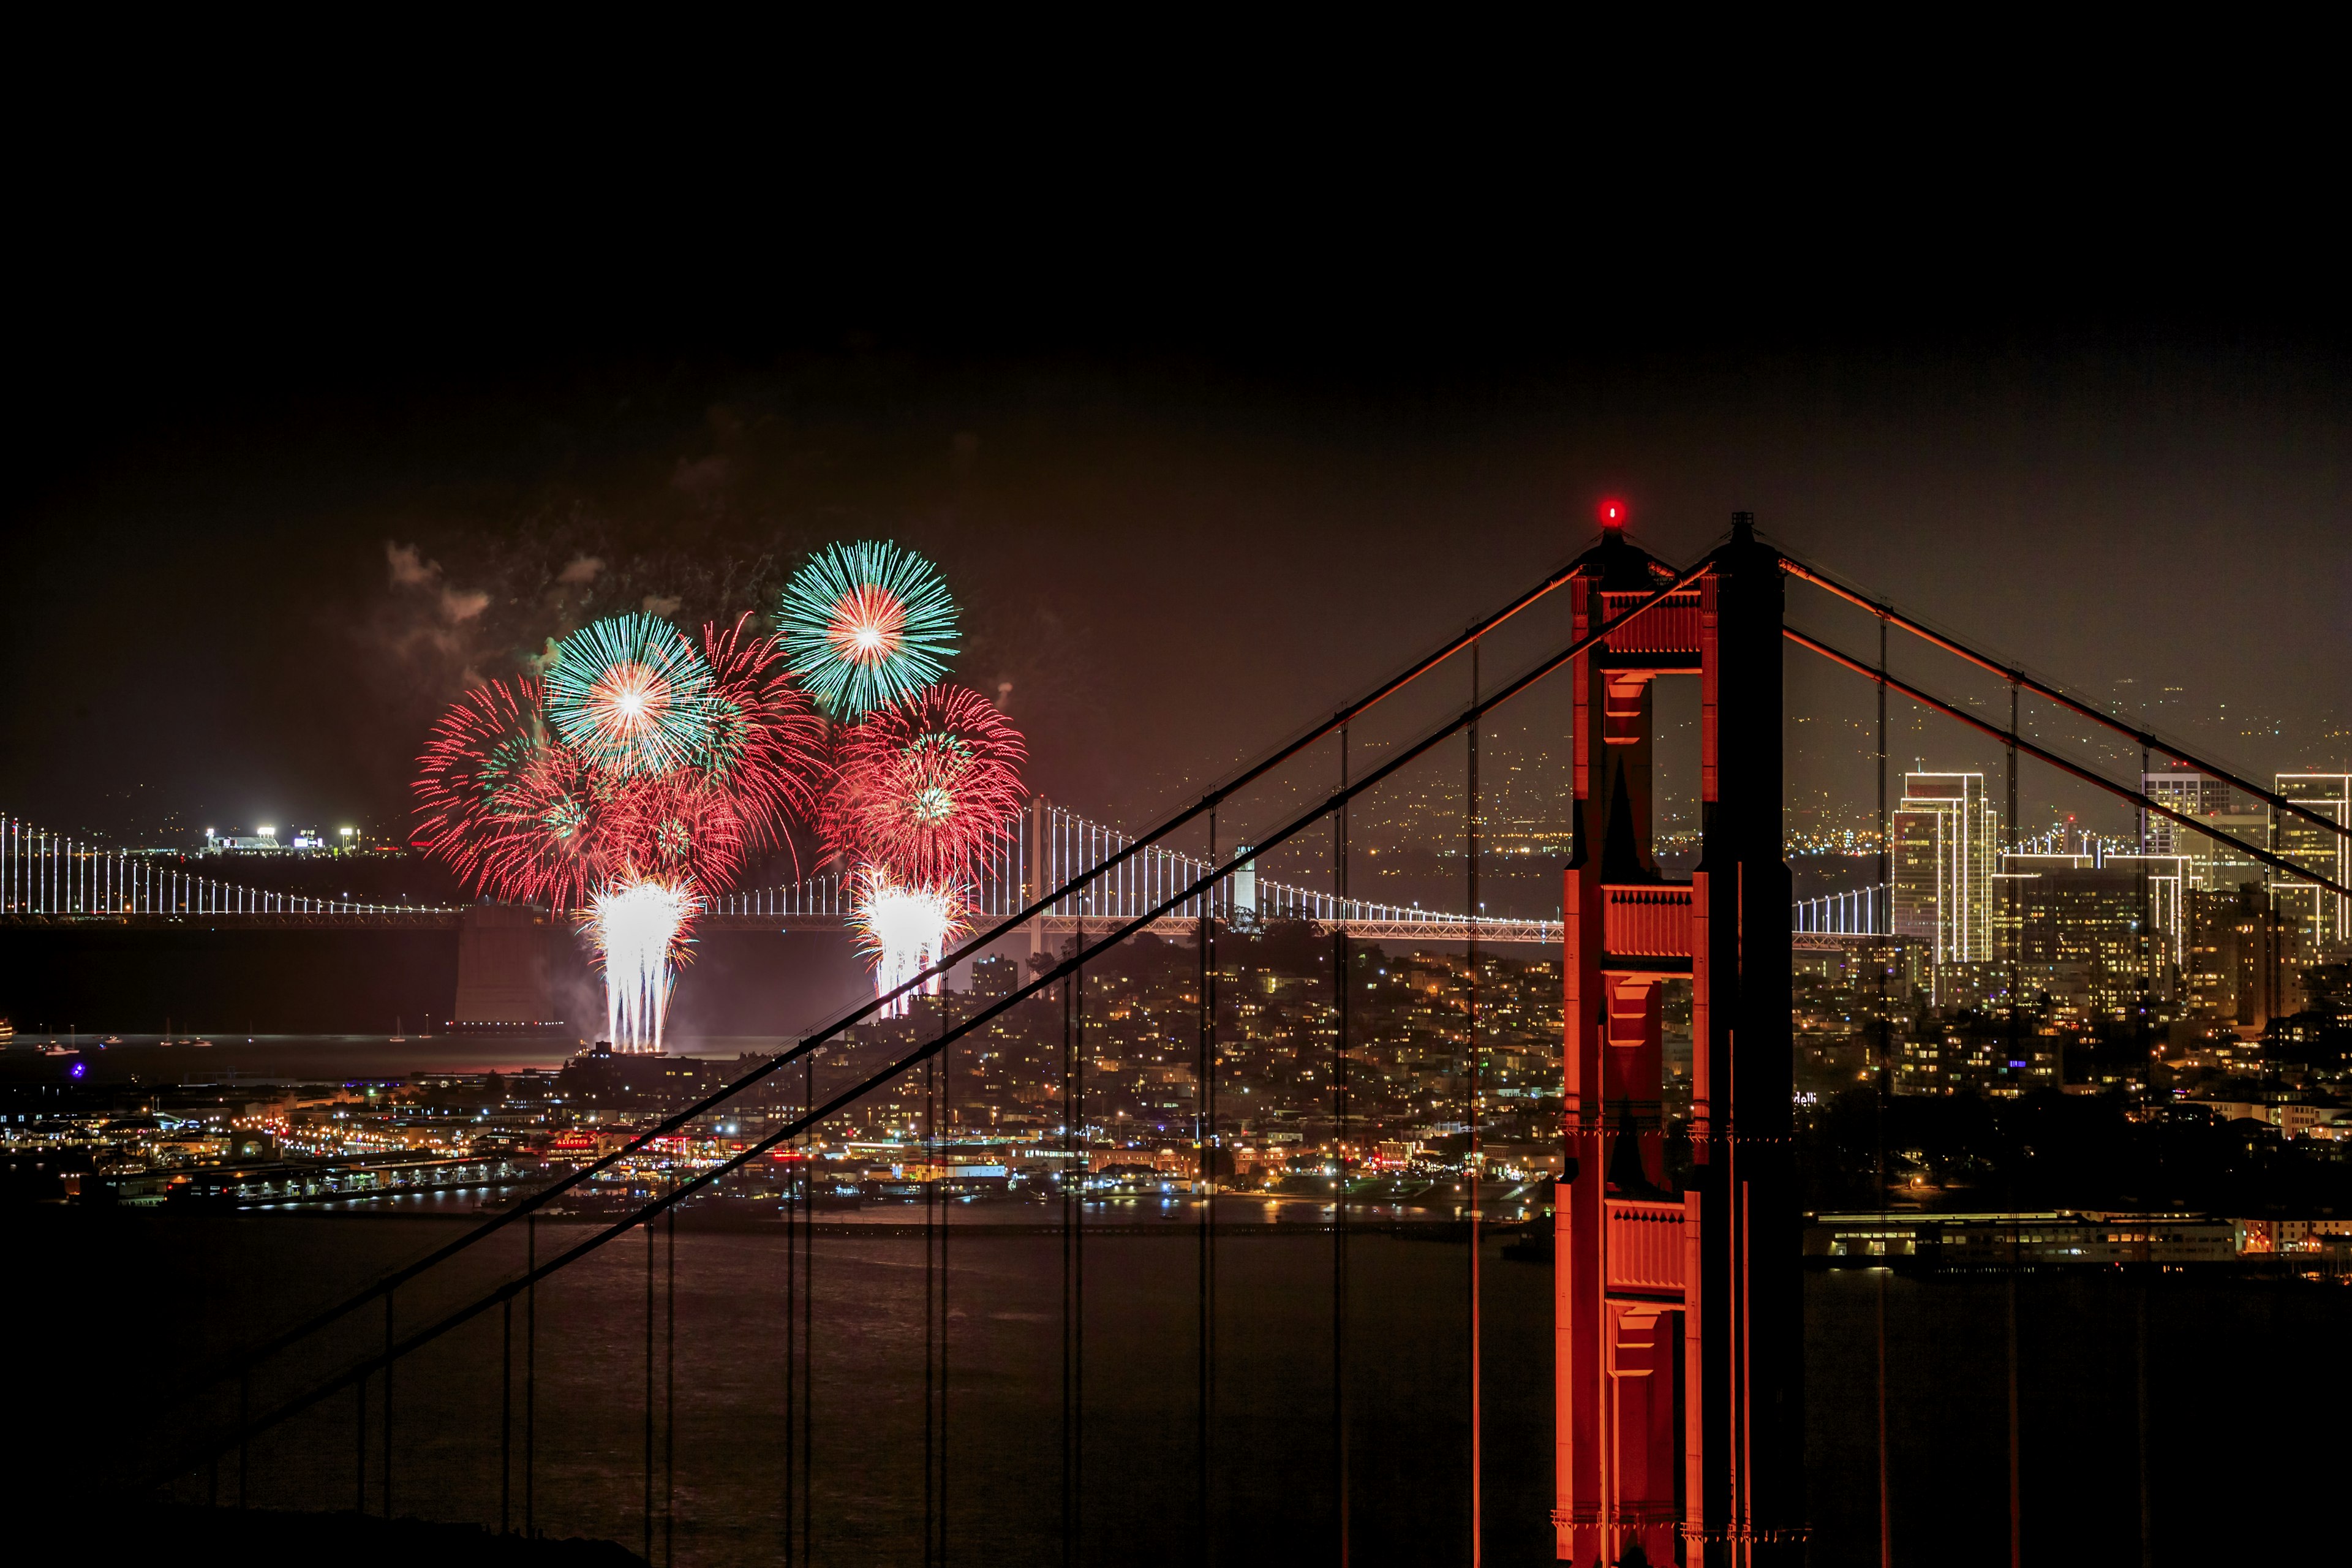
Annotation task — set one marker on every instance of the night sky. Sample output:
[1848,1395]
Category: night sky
[252,550]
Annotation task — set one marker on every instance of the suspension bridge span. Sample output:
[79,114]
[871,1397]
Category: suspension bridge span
[54,879]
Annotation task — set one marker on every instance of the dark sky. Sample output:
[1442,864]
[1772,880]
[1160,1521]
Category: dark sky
[254,542]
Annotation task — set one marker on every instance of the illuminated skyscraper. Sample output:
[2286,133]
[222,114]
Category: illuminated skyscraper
[2078,930]
[2208,863]
[2319,920]
[1946,843]
[2191,794]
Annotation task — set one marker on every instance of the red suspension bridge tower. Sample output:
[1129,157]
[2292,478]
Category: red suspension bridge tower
[1677,1314]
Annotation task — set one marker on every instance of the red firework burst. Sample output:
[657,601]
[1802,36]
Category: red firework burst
[551,842]
[676,827]
[767,743]
[925,786]
[505,804]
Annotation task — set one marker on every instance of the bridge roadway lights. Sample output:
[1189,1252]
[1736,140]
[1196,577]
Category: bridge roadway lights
[1677,1333]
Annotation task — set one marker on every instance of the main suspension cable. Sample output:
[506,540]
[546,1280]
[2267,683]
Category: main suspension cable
[2042,755]
[2018,677]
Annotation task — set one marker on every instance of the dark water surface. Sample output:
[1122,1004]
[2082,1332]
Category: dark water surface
[308,1059]
[104,1313]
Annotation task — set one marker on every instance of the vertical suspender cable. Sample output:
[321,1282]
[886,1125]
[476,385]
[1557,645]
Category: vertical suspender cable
[1076,1163]
[2015,1022]
[808,1319]
[2139,1368]
[1203,1134]
[947,1114]
[387,1403]
[1883,1029]
[670,1387]
[530,1378]
[1079,1277]
[1472,1167]
[795,1174]
[931,1294]
[648,1547]
[505,1417]
[2149,972]
[1343,982]
[1069,1057]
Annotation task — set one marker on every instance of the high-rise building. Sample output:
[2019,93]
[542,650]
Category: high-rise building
[2206,862]
[2318,922]
[2164,885]
[1946,842]
[2191,794]
[2080,932]
[2234,974]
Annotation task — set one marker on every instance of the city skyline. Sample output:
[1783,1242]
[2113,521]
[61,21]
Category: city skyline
[1583,931]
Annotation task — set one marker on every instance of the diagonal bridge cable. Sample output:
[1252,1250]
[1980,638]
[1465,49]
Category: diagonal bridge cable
[1316,732]
[653,1208]
[2049,693]
[2274,861]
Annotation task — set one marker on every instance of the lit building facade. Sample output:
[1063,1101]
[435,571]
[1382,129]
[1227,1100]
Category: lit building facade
[2206,861]
[1946,845]
[2317,920]
[2190,793]
[2234,974]
[2077,931]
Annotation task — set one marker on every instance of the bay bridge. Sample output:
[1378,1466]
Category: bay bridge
[1674,1368]
[54,879]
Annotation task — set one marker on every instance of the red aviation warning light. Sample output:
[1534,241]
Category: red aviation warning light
[1612,515]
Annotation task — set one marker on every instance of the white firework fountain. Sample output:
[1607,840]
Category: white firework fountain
[906,928]
[636,927]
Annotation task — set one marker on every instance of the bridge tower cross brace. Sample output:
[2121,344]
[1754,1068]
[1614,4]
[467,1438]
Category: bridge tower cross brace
[1678,1341]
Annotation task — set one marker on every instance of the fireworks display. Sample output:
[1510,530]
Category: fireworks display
[925,784]
[638,929]
[902,930]
[642,774]
[510,809]
[639,775]
[867,624]
[630,695]
[765,743]
[922,788]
